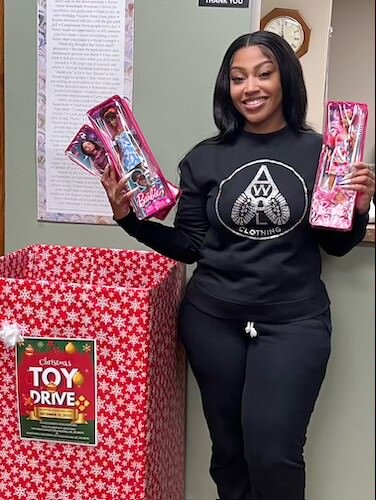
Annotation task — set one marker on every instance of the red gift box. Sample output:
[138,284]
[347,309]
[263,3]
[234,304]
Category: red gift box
[127,302]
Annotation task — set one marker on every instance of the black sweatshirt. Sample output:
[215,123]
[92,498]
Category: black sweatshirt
[243,217]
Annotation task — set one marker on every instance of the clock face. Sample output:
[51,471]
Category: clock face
[289,29]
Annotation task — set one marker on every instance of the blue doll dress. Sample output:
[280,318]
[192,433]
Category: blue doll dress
[129,156]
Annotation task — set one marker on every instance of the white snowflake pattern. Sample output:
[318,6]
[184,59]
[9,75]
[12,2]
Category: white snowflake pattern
[127,411]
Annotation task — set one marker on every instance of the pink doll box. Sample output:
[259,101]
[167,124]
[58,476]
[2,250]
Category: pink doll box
[153,195]
[88,151]
[344,138]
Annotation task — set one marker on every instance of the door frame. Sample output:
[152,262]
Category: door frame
[2,132]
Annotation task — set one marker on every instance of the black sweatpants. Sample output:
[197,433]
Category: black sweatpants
[258,395]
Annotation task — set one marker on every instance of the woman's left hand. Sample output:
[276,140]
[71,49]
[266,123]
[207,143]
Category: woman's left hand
[362,180]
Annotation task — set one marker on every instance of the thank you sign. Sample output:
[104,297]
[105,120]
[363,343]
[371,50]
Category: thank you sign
[236,4]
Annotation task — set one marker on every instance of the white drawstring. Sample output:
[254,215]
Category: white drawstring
[251,330]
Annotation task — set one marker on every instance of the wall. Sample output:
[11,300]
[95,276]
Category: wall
[352,60]
[178,48]
[317,15]
[348,440]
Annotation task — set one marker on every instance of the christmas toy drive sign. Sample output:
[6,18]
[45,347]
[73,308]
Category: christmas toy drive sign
[56,390]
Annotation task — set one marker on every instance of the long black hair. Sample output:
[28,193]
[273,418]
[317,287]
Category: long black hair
[226,117]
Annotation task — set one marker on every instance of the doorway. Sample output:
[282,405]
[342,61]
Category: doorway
[2,128]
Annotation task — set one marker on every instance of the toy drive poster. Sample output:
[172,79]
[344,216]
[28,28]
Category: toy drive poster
[56,384]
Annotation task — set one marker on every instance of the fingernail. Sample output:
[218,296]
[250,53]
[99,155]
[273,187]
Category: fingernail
[345,182]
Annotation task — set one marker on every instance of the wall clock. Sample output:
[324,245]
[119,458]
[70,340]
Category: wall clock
[290,25]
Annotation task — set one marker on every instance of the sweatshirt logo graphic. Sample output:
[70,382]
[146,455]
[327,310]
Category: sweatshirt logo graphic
[262,200]
[261,196]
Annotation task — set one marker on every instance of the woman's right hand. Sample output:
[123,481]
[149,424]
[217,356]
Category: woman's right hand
[117,194]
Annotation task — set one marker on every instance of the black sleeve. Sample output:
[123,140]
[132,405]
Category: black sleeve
[183,241]
[339,243]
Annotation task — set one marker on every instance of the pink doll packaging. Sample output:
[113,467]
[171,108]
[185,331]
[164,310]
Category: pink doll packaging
[114,122]
[344,139]
[88,151]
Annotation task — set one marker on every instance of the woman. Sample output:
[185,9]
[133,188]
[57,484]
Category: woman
[255,319]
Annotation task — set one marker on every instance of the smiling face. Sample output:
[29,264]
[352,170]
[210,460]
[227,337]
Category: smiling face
[89,147]
[112,119]
[113,122]
[139,178]
[256,91]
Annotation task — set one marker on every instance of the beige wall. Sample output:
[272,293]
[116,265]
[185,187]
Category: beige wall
[317,15]
[352,59]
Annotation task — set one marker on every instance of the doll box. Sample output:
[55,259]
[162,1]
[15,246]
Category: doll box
[115,123]
[89,152]
[127,301]
[344,140]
